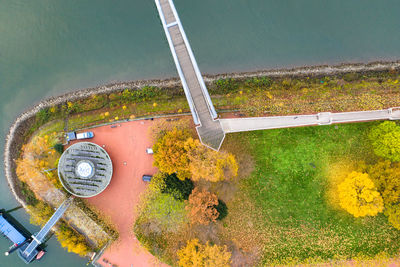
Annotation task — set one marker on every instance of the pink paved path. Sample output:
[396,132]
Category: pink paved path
[126,144]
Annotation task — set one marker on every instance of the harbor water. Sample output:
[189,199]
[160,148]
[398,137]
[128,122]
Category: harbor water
[48,47]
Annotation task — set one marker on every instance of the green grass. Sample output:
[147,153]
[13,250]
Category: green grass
[288,187]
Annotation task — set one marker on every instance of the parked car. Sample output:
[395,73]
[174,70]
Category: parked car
[149,150]
[71,136]
[146,178]
[85,135]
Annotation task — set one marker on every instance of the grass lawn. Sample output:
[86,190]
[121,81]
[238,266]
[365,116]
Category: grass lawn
[282,210]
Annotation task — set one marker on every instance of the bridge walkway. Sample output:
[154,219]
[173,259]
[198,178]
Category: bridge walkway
[325,118]
[37,239]
[203,112]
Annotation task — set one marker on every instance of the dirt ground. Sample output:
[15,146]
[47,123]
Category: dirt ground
[126,144]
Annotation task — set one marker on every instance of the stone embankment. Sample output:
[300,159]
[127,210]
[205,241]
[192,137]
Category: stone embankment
[17,132]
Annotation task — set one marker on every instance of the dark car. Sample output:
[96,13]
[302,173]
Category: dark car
[147,178]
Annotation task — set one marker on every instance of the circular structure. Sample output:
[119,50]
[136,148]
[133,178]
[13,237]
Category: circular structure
[85,169]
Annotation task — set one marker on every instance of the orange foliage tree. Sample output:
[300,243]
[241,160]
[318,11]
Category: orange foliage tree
[358,195]
[196,254]
[201,207]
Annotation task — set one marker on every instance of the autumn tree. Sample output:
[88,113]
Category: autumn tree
[385,140]
[170,153]
[196,254]
[175,151]
[358,195]
[40,213]
[71,240]
[202,207]
[393,213]
[208,164]
[386,177]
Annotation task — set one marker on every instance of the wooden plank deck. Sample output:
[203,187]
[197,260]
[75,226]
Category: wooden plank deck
[210,130]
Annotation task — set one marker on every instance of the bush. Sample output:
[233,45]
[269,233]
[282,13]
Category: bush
[30,197]
[59,148]
[385,140]
[350,77]
[358,196]
[42,116]
[199,255]
[393,213]
[177,188]
[222,209]
[386,176]
[259,82]
[226,85]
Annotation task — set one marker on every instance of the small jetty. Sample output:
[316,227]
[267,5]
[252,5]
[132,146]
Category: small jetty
[28,248]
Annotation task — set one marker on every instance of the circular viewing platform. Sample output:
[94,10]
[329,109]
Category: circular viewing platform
[85,169]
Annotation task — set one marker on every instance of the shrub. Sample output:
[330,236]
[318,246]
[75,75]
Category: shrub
[350,77]
[385,140]
[358,196]
[226,85]
[59,148]
[393,213]
[197,254]
[177,188]
[259,82]
[386,176]
[42,116]
[222,209]
[29,195]
[202,207]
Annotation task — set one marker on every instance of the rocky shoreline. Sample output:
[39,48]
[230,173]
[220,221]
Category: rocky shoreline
[15,136]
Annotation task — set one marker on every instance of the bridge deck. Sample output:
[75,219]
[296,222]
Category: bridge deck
[325,118]
[30,250]
[203,112]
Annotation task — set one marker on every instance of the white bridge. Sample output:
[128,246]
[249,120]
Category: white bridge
[212,130]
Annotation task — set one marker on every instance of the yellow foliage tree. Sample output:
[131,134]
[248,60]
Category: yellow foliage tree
[40,213]
[358,195]
[196,254]
[208,164]
[177,152]
[72,241]
[393,213]
[386,176]
[170,154]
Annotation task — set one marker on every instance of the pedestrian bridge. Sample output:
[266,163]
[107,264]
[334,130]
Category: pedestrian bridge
[212,130]
[202,109]
[29,253]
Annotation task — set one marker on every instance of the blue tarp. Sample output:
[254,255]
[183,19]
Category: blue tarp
[10,232]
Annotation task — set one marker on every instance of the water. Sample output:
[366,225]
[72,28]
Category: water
[51,46]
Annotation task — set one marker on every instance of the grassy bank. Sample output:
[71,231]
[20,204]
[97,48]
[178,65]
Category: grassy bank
[282,210]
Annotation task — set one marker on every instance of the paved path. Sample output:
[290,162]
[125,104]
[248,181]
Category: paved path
[325,118]
[203,112]
[126,144]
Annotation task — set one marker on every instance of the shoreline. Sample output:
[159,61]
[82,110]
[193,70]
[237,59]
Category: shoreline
[15,136]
